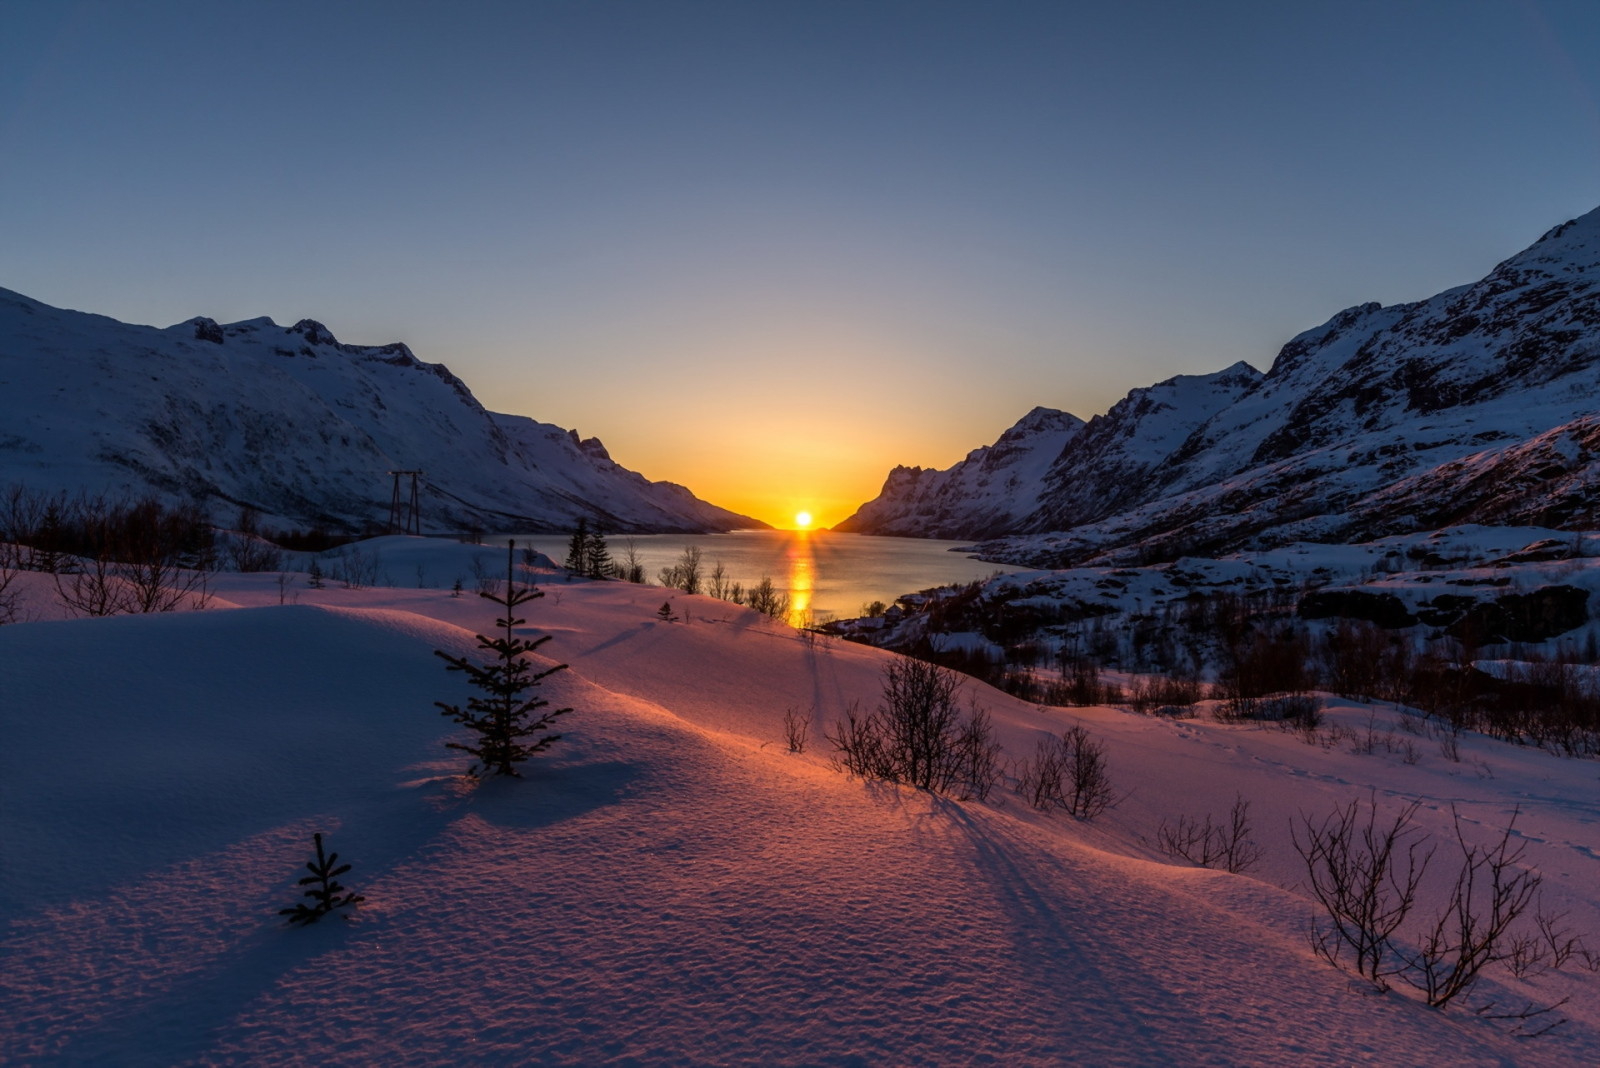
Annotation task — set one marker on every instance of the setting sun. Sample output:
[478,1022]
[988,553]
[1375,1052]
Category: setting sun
[802,520]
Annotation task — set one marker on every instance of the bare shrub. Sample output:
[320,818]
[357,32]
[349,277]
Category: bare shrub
[719,585]
[249,549]
[767,599]
[796,730]
[686,574]
[1447,732]
[137,556]
[92,590]
[918,736]
[980,754]
[1470,932]
[1171,694]
[1294,711]
[356,570]
[159,585]
[1368,741]
[1367,875]
[1067,772]
[1213,845]
[630,568]
[1549,947]
[486,584]
[10,565]
[250,553]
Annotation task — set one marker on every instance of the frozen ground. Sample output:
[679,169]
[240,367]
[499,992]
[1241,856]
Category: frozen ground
[669,884]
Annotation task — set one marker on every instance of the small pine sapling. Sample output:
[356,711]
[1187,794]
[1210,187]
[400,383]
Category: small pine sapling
[326,892]
[665,612]
[506,719]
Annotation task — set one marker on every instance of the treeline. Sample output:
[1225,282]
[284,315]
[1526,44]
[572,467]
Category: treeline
[110,555]
[589,555]
[1251,654]
[47,528]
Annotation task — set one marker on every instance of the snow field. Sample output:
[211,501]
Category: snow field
[667,884]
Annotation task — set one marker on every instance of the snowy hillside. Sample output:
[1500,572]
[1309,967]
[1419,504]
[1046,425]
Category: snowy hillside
[669,885]
[986,493]
[1120,453]
[297,425]
[1380,421]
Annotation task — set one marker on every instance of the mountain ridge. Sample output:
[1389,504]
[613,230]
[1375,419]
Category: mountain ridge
[298,425]
[1361,425]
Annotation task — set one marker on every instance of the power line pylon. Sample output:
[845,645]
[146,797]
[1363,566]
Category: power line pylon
[409,519]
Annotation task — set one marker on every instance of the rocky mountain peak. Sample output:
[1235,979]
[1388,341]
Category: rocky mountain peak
[314,333]
[1435,397]
[206,329]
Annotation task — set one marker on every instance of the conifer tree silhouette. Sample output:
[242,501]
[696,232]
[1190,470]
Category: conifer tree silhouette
[506,719]
[596,557]
[326,892]
[578,548]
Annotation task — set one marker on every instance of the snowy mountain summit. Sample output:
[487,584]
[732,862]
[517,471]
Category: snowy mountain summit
[298,425]
[987,493]
[1475,405]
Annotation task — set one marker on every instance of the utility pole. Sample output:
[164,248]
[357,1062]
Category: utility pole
[409,519]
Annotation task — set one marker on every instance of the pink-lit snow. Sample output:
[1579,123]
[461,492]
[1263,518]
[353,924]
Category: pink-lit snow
[668,884]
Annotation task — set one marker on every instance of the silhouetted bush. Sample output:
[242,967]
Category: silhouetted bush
[1368,876]
[767,599]
[1213,845]
[796,730]
[686,574]
[1067,771]
[918,736]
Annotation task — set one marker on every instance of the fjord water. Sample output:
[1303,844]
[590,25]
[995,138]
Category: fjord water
[827,575]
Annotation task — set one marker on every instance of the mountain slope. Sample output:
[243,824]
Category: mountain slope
[986,493]
[1119,452]
[290,421]
[1320,446]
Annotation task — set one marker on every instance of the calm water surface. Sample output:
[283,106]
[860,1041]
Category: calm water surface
[826,574]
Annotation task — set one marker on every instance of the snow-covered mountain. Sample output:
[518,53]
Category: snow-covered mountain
[1117,454]
[985,494]
[1475,405]
[296,424]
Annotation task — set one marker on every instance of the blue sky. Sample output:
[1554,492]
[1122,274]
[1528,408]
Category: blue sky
[770,250]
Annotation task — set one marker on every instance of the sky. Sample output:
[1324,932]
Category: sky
[771,250]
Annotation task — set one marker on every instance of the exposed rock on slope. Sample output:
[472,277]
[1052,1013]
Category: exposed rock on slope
[298,425]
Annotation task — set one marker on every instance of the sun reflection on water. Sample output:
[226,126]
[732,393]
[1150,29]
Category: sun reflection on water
[801,564]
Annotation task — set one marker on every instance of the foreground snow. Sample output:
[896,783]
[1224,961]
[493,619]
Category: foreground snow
[669,885]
